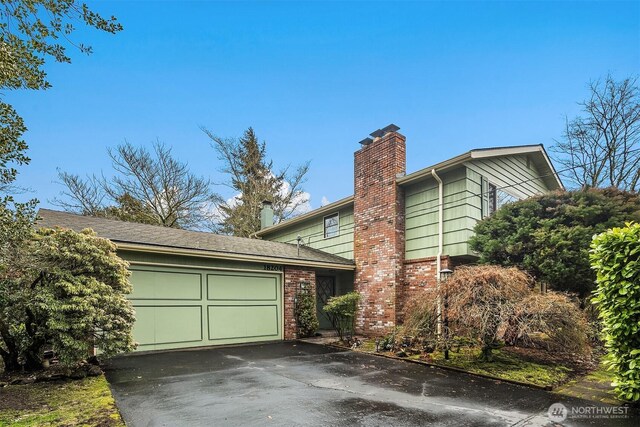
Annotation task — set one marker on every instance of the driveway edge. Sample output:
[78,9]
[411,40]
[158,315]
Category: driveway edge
[446,368]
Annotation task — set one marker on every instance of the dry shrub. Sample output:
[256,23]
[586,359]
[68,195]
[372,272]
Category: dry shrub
[421,316]
[482,301]
[551,321]
[495,305]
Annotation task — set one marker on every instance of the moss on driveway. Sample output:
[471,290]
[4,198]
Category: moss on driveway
[86,402]
[596,386]
[506,365]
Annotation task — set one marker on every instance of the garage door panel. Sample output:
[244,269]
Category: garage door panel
[164,285]
[189,307]
[243,321]
[232,287]
[158,325]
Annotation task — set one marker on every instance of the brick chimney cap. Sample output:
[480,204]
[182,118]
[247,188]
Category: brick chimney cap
[390,128]
[366,141]
[377,133]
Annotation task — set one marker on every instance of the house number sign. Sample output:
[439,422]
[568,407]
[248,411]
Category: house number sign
[272,267]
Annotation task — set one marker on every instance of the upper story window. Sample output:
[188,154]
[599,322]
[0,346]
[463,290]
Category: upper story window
[331,225]
[493,198]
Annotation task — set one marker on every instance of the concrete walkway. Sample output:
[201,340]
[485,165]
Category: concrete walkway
[301,384]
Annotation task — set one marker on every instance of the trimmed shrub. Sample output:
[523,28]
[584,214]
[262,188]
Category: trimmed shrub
[305,313]
[615,256]
[341,311]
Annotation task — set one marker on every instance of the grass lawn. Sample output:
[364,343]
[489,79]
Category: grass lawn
[86,402]
[506,365]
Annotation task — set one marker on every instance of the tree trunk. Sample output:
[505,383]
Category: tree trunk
[9,353]
[10,361]
[487,356]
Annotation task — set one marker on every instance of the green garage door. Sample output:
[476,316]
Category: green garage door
[188,308]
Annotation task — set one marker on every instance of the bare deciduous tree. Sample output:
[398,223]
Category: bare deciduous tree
[83,196]
[602,147]
[149,186]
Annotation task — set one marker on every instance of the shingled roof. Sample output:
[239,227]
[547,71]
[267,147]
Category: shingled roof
[129,235]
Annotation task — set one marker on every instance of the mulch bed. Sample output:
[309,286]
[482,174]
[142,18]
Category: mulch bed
[18,399]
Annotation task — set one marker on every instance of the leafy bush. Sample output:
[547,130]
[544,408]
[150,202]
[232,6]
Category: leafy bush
[305,313]
[615,257]
[482,301]
[551,321]
[67,291]
[341,311]
[549,236]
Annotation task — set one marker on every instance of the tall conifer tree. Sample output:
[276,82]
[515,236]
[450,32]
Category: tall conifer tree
[252,177]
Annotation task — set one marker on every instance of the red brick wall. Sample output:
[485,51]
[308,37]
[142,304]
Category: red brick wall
[420,275]
[292,278]
[379,231]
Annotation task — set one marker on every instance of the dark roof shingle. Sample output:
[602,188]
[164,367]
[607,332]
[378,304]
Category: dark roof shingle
[208,243]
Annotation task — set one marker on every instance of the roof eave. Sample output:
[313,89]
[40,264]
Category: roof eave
[165,250]
[480,154]
[339,204]
[426,172]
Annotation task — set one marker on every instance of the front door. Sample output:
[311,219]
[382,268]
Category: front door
[325,288]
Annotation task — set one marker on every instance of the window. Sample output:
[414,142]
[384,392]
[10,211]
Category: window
[502,198]
[331,225]
[493,198]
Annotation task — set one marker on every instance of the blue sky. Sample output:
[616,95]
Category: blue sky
[315,78]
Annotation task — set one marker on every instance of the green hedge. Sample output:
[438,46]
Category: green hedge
[306,315]
[615,256]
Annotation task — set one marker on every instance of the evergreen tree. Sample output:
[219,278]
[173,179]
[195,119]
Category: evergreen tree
[253,178]
[549,235]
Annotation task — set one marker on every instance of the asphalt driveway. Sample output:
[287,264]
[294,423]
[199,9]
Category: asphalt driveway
[290,384]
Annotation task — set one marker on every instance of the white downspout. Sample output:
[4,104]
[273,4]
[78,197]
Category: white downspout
[440,242]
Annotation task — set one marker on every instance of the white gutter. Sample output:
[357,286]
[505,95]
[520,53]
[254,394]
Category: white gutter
[440,242]
[440,221]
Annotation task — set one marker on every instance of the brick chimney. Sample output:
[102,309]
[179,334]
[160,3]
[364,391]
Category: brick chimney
[379,229]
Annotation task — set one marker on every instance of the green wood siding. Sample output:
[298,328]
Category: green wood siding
[462,208]
[512,174]
[463,202]
[312,233]
[421,207]
[519,177]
